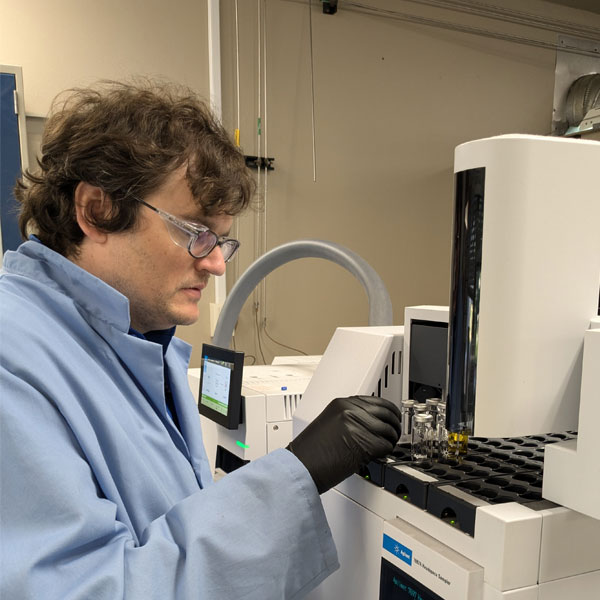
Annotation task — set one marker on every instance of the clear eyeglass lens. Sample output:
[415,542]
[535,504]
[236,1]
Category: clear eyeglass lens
[204,244]
[228,249]
[180,237]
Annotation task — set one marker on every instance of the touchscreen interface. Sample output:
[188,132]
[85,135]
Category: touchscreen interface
[216,381]
[220,393]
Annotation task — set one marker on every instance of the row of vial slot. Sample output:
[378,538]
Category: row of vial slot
[424,427]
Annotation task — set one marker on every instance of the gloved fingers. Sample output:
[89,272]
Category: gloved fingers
[381,449]
[371,411]
[378,401]
[347,434]
[382,408]
[364,447]
[369,427]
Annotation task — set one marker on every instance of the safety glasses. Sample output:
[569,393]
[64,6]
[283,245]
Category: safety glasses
[198,240]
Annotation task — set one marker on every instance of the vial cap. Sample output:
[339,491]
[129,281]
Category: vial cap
[432,402]
[423,418]
[407,403]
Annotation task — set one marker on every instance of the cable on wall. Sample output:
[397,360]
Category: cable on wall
[257,299]
[262,163]
[312,91]
[258,121]
[237,75]
[265,163]
[236,228]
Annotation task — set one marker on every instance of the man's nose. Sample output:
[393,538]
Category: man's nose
[213,262]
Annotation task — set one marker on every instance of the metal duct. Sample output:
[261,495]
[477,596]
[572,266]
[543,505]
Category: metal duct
[583,95]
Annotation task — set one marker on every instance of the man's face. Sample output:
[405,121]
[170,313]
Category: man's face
[162,281]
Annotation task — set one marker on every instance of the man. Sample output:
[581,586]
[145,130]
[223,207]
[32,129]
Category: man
[106,489]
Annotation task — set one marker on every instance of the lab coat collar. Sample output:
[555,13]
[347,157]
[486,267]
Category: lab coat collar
[104,308]
[94,298]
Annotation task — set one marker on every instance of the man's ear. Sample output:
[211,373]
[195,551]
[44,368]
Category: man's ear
[90,202]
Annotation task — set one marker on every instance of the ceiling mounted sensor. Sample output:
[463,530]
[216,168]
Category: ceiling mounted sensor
[329,7]
[583,106]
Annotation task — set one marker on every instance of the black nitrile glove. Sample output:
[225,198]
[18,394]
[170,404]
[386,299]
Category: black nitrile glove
[348,434]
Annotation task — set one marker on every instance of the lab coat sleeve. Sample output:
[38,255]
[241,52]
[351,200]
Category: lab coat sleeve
[259,533]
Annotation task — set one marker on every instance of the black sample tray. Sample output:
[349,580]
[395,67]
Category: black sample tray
[494,470]
[456,504]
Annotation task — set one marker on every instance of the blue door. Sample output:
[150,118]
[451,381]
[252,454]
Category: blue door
[10,162]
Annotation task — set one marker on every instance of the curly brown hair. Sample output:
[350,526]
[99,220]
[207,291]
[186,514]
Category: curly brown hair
[127,138]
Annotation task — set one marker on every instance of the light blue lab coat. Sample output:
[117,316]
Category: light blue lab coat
[102,497]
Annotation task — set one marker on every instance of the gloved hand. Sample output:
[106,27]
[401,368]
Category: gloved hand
[348,434]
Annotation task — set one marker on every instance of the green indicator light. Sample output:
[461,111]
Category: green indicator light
[405,497]
[452,522]
[241,445]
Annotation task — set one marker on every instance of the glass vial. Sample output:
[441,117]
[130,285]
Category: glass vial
[419,407]
[457,444]
[422,437]
[432,408]
[406,408]
[441,433]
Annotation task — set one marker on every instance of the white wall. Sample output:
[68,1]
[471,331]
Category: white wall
[68,43]
[392,101]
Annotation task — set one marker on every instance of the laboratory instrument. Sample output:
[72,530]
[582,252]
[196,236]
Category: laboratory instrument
[522,353]
[515,355]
